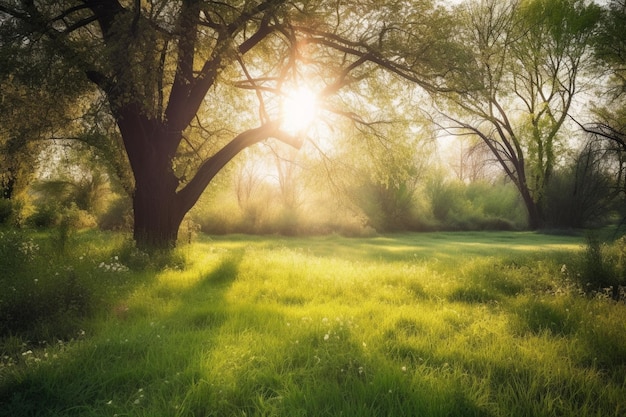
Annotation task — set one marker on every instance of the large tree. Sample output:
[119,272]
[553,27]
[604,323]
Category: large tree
[609,118]
[173,71]
[525,59]
[610,48]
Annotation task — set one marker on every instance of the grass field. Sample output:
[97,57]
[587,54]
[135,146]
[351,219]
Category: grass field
[441,324]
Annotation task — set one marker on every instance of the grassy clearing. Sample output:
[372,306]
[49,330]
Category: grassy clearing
[468,324]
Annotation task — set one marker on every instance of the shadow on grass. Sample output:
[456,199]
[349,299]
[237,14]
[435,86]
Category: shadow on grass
[147,347]
[199,351]
[203,349]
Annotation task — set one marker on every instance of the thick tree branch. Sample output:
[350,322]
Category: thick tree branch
[207,171]
[367,53]
[193,92]
[106,11]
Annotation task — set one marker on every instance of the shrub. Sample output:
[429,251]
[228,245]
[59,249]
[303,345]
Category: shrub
[475,206]
[118,216]
[41,299]
[579,195]
[43,308]
[46,215]
[16,253]
[603,269]
[6,210]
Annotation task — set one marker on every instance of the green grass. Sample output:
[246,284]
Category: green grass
[442,324]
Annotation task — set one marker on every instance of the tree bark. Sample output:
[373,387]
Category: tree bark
[533,208]
[150,146]
[157,216]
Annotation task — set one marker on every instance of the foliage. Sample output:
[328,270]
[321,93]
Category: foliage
[6,210]
[609,124]
[603,271]
[581,194]
[42,298]
[610,44]
[516,91]
[46,215]
[117,216]
[474,206]
[16,250]
[191,85]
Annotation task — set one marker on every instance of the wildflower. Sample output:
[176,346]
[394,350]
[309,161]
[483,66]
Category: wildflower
[404,369]
[326,336]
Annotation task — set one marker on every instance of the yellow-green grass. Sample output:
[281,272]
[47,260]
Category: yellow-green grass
[448,324]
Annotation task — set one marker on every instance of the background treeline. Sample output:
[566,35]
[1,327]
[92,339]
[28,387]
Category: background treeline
[516,121]
[301,193]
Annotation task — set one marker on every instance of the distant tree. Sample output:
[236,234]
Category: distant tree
[581,193]
[174,75]
[473,161]
[518,84]
[610,117]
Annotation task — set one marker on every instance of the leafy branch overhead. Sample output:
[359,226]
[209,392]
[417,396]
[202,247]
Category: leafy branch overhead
[176,75]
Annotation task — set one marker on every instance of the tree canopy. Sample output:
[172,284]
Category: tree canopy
[521,76]
[168,92]
[192,83]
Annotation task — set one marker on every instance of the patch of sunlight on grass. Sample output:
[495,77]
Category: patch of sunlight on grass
[474,324]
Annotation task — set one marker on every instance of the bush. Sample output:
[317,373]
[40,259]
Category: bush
[475,206]
[43,308]
[16,253]
[37,302]
[6,210]
[579,195]
[603,269]
[46,215]
[288,222]
[118,216]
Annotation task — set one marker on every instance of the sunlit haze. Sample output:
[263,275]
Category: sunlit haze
[299,110]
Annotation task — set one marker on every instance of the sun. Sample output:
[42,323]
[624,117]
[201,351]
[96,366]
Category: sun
[299,110]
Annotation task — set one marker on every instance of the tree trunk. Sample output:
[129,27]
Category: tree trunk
[533,209]
[159,205]
[157,214]
[157,211]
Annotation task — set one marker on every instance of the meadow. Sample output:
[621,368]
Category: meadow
[432,324]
